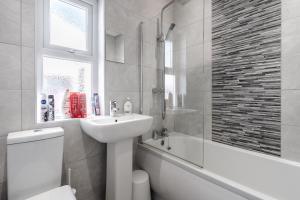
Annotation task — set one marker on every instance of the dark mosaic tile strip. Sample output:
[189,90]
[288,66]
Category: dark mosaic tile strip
[246,74]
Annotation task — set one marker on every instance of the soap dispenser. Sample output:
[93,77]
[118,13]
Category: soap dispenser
[128,106]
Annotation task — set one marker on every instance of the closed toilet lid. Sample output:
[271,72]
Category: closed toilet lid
[61,193]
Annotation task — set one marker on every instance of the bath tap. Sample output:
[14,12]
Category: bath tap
[164,132]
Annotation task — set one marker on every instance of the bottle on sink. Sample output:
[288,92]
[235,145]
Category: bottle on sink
[128,106]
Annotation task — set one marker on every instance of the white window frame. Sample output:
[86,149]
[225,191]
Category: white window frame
[76,3]
[44,49]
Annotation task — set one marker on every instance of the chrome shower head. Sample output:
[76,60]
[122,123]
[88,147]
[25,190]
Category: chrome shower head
[172,26]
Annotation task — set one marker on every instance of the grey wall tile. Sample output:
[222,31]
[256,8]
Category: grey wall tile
[290,9]
[28,109]
[28,22]
[121,78]
[28,68]
[152,104]
[207,30]
[194,100]
[208,9]
[198,80]
[128,26]
[207,63]
[290,142]
[290,107]
[208,127]
[188,13]
[89,177]
[290,27]
[149,30]
[149,55]
[131,51]
[10,67]
[246,97]
[10,21]
[194,79]
[290,72]
[77,144]
[207,102]
[191,34]
[10,111]
[190,123]
[150,78]
[194,56]
[142,7]
[2,160]
[290,45]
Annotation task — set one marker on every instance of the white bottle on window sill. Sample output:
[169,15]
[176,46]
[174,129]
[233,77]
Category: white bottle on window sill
[128,106]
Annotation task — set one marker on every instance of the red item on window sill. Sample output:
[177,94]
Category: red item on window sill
[77,105]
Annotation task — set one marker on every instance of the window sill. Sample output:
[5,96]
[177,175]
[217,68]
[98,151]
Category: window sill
[63,120]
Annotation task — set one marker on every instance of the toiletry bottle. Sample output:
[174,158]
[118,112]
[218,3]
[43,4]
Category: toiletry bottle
[74,105]
[96,104]
[82,105]
[128,106]
[51,107]
[44,108]
[66,104]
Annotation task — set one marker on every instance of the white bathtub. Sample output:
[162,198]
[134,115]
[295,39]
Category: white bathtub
[189,148]
[229,173]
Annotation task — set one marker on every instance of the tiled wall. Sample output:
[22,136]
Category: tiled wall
[85,156]
[290,84]
[290,69]
[123,79]
[246,83]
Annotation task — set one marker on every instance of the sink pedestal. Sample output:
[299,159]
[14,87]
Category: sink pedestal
[118,132]
[119,170]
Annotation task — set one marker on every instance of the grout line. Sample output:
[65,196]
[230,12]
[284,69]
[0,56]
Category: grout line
[13,44]
[21,62]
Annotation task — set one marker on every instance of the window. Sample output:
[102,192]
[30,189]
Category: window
[169,76]
[168,54]
[66,53]
[75,76]
[68,24]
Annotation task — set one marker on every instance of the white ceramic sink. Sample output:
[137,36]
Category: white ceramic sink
[118,132]
[108,129]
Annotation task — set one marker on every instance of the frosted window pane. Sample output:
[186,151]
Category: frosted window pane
[168,54]
[68,25]
[60,75]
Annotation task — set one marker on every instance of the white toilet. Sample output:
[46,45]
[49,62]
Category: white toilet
[34,165]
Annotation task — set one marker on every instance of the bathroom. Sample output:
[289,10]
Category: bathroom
[200,96]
